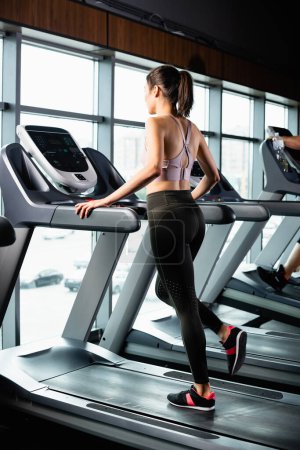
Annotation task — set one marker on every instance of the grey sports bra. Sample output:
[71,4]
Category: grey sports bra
[172,169]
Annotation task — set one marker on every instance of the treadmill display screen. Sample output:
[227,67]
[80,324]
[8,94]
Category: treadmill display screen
[60,150]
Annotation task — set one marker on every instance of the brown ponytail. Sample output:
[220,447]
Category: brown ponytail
[185,94]
[176,86]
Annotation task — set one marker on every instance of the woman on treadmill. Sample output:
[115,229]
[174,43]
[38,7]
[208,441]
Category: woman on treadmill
[176,222]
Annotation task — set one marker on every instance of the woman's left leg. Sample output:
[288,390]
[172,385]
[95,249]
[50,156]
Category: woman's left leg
[171,231]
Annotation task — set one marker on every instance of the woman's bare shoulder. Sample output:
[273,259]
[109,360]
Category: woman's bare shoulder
[157,123]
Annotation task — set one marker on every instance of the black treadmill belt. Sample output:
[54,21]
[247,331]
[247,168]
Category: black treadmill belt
[238,415]
[292,291]
[275,347]
[280,346]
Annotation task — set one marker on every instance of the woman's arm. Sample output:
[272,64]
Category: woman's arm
[207,164]
[152,169]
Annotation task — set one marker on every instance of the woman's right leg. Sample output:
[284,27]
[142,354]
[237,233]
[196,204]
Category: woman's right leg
[232,338]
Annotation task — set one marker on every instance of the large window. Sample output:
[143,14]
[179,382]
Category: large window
[236,161]
[129,94]
[130,115]
[57,259]
[237,164]
[56,80]
[200,110]
[236,115]
[129,152]
[276,115]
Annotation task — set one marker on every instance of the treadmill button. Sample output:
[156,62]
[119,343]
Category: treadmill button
[80,177]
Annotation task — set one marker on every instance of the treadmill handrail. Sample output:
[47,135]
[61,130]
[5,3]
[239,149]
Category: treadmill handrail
[256,212]
[113,219]
[217,214]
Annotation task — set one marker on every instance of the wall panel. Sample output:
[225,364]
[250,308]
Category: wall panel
[149,42]
[63,17]
[85,23]
[259,77]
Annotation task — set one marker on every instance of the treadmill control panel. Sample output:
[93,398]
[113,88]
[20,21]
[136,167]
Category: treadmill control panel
[288,159]
[60,157]
[223,191]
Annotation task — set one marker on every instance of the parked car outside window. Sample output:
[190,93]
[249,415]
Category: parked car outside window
[56,233]
[44,277]
[118,281]
[74,278]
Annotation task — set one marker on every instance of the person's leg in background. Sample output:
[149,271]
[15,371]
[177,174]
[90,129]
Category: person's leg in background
[278,278]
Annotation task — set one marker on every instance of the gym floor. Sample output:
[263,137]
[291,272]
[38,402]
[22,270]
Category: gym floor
[29,433]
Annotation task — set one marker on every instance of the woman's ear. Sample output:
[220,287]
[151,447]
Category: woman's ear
[156,90]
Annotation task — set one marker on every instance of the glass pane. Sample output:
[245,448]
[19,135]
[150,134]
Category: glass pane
[1,93]
[81,130]
[236,115]
[129,94]
[270,228]
[200,110]
[1,66]
[56,80]
[129,152]
[126,260]
[151,305]
[236,165]
[275,115]
[50,277]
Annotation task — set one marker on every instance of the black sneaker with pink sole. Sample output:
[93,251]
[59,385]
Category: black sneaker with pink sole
[235,348]
[192,400]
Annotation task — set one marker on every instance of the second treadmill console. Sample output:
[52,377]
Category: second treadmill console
[60,157]
[223,191]
[287,158]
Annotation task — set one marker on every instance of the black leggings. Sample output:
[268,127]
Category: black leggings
[177,230]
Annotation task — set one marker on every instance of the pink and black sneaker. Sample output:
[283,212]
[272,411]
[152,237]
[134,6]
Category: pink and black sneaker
[191,399]
[235,348]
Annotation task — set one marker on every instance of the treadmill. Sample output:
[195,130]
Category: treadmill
[244,289]
[85,386]
[272,355]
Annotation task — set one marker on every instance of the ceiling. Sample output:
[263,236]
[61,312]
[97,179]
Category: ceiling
[258,31]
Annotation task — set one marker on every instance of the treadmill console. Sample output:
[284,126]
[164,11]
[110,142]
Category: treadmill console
[288,159]
[60,157]
[223,191]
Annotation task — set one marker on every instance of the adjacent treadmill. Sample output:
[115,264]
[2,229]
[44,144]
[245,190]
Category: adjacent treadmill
[83,385]
[245,290]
